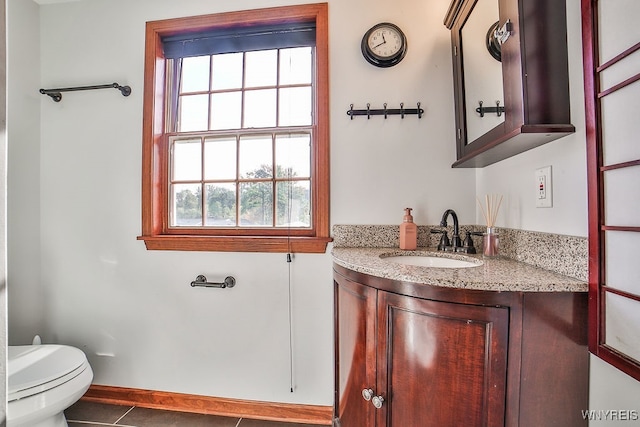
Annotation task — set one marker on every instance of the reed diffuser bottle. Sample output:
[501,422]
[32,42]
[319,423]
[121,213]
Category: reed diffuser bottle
[491,240]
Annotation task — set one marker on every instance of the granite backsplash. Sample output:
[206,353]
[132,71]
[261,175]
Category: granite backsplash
[567,255]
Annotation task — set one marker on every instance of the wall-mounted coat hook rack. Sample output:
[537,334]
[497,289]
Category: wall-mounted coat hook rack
[385,111]
[56,94]
[497,109]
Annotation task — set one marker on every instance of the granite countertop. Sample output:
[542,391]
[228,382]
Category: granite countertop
[494,274]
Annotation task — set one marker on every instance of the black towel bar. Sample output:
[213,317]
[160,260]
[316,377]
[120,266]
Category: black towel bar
[56,94]
[201,281]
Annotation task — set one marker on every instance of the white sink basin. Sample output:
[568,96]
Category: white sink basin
[432,261]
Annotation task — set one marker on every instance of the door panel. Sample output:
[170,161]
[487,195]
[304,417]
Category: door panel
[444,364]
[612,87]
[355,352]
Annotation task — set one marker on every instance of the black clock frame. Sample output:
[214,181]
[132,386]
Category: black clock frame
[380,61]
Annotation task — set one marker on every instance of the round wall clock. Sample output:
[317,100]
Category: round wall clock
[384,45]
[493,45]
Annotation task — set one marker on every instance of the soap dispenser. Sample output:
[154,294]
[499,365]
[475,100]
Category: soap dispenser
[408,232]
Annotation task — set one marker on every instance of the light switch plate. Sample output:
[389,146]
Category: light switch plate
[544,192]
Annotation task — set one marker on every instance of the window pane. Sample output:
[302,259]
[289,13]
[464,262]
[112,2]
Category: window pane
[187,205]
[187,162]
[260,108]
[612,16]
[622,324]
[261,68]
[620,126]
[220,158]
[194,111]
[295,66]
[221,205]
[294,204]
[619,272]
[227,71]
[622,196]
[256,204]
[195,74]
[295,106]
[226,110]
[293,156]
[256,157]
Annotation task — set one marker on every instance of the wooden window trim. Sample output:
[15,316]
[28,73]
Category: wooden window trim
[154,140]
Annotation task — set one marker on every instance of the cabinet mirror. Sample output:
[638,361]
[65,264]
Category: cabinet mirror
[483,69]
[510,75]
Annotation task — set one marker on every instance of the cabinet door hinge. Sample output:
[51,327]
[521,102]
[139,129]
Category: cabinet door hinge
[459,133]
[455,50]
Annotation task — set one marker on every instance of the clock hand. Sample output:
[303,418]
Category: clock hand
[380,44]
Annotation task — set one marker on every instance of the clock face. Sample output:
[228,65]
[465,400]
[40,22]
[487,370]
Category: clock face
[384,45]
[385,42]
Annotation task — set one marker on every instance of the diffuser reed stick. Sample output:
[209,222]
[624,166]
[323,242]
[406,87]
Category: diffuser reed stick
[492,203]
[490,213]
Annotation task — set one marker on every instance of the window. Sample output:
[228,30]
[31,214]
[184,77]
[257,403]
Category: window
[235,132]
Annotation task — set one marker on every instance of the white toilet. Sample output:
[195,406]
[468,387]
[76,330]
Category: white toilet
[43,381]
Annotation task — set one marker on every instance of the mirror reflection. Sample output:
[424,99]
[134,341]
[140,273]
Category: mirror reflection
[482,68]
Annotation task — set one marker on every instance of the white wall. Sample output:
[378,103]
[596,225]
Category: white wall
[93,285]
[380,167]
[611,389]
[23,192]
[80,276]
[3,211]
[514,178]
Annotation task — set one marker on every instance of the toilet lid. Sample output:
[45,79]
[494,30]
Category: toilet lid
[36,368]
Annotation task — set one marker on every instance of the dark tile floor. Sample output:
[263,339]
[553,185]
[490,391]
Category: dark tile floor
[90,414]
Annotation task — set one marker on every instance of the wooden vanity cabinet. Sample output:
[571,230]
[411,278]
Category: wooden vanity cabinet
[534,77]
[448,357]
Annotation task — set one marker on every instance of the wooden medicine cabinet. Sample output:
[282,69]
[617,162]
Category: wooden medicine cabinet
[511,79]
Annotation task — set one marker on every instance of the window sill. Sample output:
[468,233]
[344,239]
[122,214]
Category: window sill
[313,245]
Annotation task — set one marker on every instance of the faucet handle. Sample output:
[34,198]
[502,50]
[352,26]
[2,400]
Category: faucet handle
[467,245]
[444,240]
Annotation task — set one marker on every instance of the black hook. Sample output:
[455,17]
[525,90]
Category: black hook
[402,110]
[419,111]
[497,109]
[385,109]
[368,111]
[350,112]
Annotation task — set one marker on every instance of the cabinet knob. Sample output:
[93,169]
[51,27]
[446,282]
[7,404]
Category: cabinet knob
[377,401]
[367,394]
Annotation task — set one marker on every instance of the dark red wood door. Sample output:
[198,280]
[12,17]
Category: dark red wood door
[355,352]
[443,364]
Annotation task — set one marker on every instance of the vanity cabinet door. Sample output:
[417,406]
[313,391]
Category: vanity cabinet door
[355,317]
[440,364]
